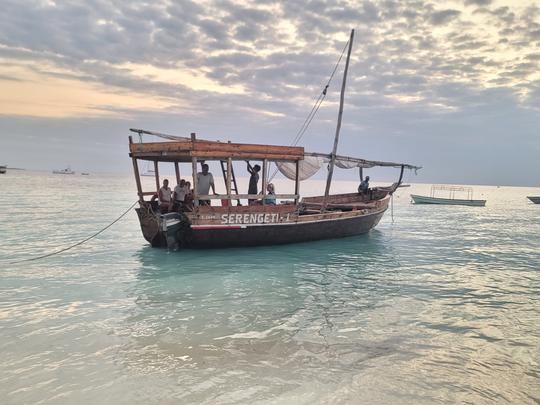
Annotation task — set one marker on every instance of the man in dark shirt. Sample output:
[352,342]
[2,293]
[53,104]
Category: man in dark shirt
[364,187]
[253,180]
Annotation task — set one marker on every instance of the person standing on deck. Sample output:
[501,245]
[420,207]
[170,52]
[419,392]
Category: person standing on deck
[165,196]
[179,195]
[253,180]
[205,180]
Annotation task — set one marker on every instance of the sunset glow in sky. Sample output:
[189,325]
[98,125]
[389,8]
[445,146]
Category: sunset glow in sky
[453,86]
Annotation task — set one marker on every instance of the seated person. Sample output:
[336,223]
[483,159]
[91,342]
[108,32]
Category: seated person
[270,198]
[154,202]
[188,198]
[165,197]
[364,187]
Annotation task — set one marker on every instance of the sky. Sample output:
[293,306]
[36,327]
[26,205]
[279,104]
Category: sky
[452,86]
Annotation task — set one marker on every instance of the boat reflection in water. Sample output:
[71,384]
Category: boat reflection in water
[237,308]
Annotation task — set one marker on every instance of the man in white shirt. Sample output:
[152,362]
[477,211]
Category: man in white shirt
[205,180]
[179,194]
[165,196]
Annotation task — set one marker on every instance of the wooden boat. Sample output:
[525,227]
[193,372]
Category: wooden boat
[535,200]
[3,169]
[232,224]
[451,200]
[64,171]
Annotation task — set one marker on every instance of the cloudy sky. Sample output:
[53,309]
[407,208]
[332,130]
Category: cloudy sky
[453,86]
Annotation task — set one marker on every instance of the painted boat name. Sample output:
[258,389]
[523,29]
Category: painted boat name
[253,218]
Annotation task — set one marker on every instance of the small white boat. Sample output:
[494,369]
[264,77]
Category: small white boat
[451,200]
[149,173]
[64,171]
[534,199]
[3,169]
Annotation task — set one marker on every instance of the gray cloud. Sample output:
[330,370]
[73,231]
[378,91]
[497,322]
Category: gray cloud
[406,79]
[443,16]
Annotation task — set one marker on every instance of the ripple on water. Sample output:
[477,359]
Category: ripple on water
[438,307]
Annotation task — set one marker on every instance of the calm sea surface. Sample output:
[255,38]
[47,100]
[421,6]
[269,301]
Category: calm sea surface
[440,306]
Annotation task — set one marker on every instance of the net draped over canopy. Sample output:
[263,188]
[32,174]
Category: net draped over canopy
[314,161]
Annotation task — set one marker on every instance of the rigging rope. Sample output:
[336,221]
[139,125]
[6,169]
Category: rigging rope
[78,243]
[314,109]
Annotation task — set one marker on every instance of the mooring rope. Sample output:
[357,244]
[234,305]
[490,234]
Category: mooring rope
[78,243]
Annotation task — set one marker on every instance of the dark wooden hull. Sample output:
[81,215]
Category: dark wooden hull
[207,237]
[278,234]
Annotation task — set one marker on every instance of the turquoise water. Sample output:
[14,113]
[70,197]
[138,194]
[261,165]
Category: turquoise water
[439,306]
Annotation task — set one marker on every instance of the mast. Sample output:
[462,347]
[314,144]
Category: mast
[338,127]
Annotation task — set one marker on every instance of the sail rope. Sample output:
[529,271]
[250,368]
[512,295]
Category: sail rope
[314,109]
[78,243]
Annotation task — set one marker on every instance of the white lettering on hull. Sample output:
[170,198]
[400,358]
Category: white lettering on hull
[259,218]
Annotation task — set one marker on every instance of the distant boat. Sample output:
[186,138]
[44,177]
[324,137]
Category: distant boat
[451,200]
[85,174]
[64,171]
[535,200]
[3,169]
[148,172]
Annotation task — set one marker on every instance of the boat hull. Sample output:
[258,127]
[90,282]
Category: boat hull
[420,199]
[174,230]
[534,199]
[279,234]
[3,169]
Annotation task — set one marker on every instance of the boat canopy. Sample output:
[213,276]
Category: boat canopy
[185,149]
[312,162]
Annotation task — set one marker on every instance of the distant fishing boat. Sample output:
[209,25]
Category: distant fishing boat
[64,171]
[85,174]
[148,173]
[535,200]
[451,200]
[3,169]
[269,218]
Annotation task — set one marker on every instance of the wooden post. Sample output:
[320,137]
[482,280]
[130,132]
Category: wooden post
[177,170]
[229,177]
[297,182]
[338,127]
[264,174]
[194,171]
[156,172]
[400,179]
[137,176]
[361,172]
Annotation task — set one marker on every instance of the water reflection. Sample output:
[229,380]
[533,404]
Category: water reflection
[288,308]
